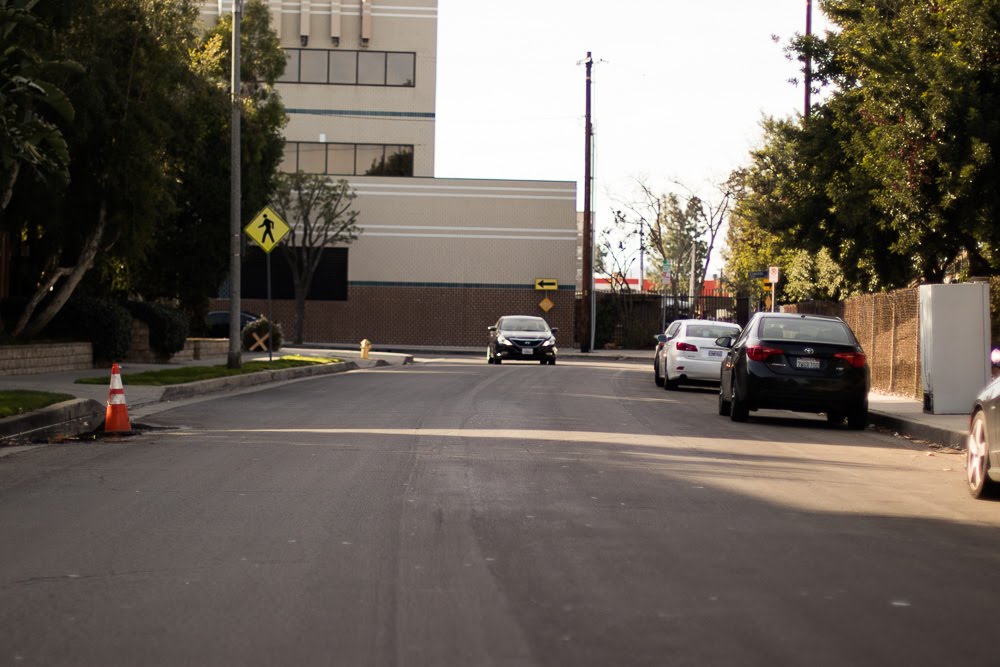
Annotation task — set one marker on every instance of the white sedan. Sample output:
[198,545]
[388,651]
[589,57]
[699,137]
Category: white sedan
[690,354]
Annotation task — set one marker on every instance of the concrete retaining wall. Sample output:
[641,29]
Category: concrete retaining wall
[45,358]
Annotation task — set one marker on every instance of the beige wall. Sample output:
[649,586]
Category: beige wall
[315,110]
[466,232]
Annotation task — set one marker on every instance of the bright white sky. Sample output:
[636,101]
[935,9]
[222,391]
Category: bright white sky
[680,95]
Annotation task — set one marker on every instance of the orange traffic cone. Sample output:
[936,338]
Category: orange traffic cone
[116,416]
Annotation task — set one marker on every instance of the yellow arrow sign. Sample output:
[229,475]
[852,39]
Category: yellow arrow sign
[267,229]
[546,283]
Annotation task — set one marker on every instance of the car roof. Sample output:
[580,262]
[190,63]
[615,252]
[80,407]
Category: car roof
[801,316]
[728,324]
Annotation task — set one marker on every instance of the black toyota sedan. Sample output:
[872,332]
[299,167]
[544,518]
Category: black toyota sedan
[804,363]
[521,338]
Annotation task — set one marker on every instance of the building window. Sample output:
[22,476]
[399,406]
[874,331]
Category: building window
[344,67]
[399,68]
[313,67]
[291,72]
[371,69]
[350,68]
[339,159]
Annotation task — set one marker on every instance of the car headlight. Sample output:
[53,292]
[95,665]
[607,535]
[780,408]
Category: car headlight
[549,343]
[502,340]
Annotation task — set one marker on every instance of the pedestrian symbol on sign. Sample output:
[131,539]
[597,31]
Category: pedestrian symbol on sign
[267,225]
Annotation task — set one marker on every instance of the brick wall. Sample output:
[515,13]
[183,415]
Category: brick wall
[455,316]
[45,358]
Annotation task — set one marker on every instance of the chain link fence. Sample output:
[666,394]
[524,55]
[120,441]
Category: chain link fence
[888,328]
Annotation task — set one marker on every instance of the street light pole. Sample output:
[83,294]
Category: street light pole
[586,287]
[235,344]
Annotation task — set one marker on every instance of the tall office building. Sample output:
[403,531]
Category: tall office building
[439,259]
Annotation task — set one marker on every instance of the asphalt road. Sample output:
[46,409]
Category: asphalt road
[454,513]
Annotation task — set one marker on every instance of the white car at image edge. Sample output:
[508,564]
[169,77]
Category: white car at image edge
[689,353]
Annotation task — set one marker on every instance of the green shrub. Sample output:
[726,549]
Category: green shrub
[259,327]
[103,322]
[168,327]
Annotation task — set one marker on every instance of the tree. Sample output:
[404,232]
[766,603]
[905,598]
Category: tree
[320,213]
[894,173]
[673,225]
[189,258]
[123,178]
[29,138]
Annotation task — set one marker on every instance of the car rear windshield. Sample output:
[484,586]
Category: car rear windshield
[523,324]
[806,330]
[712,331]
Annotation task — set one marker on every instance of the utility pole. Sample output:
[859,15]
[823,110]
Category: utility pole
[587,280]
[235,344]
[808,77]
[642,257]
[691,283]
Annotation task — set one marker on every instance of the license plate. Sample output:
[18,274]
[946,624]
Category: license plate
[715,353]
[526,350]
[807,362]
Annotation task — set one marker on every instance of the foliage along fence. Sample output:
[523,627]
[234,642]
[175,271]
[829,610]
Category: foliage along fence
[888,328]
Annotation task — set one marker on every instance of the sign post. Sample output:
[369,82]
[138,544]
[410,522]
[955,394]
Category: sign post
[774,275]
[267,230]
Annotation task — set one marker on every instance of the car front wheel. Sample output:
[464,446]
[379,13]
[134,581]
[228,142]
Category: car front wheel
[977,459]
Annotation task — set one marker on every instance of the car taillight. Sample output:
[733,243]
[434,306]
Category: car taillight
[762,352]
[686,347]
[855,359]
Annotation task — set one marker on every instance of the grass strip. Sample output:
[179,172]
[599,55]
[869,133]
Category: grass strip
[184,374]
[18,401]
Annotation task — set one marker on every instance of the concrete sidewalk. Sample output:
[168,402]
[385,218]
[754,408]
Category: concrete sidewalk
[901,415]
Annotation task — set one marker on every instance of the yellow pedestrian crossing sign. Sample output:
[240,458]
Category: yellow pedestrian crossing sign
[267,229]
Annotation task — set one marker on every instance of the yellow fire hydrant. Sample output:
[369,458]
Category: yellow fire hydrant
[366,347]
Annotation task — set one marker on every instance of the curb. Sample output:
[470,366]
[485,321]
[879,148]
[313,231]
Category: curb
[941,436]
[180,391]
[59,420]
[77,416]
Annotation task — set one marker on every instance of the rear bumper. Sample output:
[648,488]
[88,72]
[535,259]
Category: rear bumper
[705,370]
[766,389]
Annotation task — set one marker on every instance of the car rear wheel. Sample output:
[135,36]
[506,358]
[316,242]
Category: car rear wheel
[657,378]
[977,459]
[552,361]
[668,384]
[724,406]
[543,361]
[739,411]
[835,417]
[858,420]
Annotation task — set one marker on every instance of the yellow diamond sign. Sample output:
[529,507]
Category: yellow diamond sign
[267,229]
[546,304]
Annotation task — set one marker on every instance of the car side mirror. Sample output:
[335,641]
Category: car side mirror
[661,338]
[554,330]
[491,329]
[725,341]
